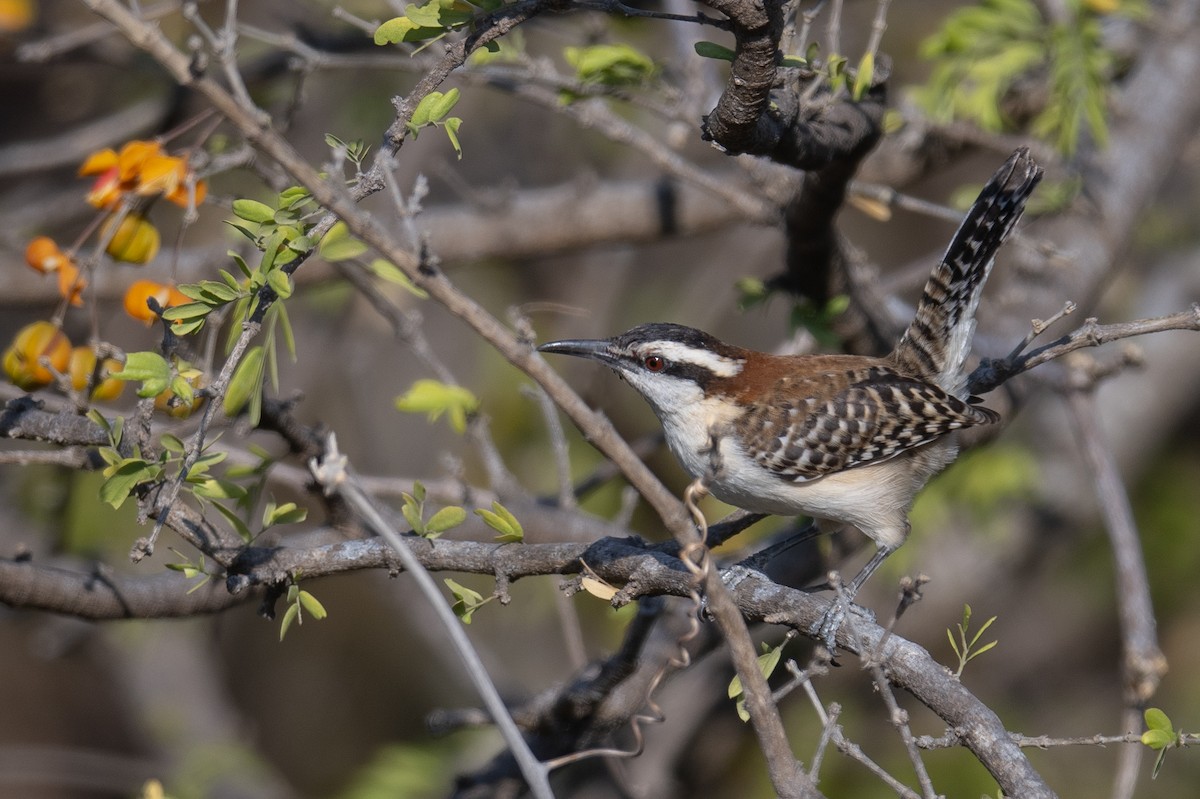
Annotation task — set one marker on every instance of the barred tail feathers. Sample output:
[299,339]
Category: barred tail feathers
[937,343]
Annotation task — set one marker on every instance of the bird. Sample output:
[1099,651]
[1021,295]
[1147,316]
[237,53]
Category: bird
[844,439]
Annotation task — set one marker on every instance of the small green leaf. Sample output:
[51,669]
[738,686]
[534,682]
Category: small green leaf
[413,510]
[713,50]
[235,521]
[312,605]
[339,245]
[1156,719]
[386,270]
[190,311]
[420,115]
[247,380]
[124,477]
[1157,739]
[435,398]
[287,513]
[148,367]
[502,521]
[171,443]
[242,266]
[289,615]
[1158,762]
[864,77]
[466,601]
[281,283]
[451,127]
[183,389]
[610,64]
[216,488]
[253,211]
[443,104]
[445,519]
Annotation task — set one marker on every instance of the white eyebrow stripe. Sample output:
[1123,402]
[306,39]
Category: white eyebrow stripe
[719,365]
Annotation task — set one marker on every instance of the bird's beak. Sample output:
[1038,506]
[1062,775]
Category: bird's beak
[596,349]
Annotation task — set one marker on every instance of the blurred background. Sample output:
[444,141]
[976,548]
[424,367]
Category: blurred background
[219,706]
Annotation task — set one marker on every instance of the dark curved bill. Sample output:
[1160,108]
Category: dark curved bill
[596,349]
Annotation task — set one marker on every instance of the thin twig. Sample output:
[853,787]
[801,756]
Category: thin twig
[332,473]
[993,373]
[1143,662]
[899,719]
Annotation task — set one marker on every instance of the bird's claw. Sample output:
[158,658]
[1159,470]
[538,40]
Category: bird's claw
[826,628]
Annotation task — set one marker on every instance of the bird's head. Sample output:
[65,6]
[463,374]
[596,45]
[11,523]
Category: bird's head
[670,365]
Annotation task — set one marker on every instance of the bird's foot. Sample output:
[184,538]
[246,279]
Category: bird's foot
[735,574]
[826,628]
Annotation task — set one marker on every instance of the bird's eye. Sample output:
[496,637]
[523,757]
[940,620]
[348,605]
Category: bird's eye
[654,363]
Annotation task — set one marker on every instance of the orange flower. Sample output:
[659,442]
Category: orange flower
[37,340]
[106,191]
[140,291]
[99,161]
[133,157]
[180,195]
[141,168]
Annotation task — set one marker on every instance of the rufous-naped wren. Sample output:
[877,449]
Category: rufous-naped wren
[845,439]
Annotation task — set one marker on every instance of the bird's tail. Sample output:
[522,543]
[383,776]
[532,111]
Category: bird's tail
[939,339]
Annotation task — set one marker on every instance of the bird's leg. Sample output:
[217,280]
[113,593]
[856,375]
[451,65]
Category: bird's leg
[827,628]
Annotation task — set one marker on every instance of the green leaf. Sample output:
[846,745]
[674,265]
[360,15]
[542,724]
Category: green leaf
[281,283]
[285,329]
[124,477]
[148,367]
[403,29]
[752,291]
[386,270]
[289,615]
[312,605]
[287,513]
[216,488]
[500,519]
[253,211]
[466,601]
[144,366]
[339,245]
[294,196]
[767,662]
[1156,719]
[445,519]
[864,76]
[212,292]
[443,104]
[247,380]
[171,443]
[451,127]
[1158,739]
[1162,756]
[183,389]
[242,266]
[412,514]
[235,521]
[435,398]
[191,310]
[423,114]
[610,64]
[713,50]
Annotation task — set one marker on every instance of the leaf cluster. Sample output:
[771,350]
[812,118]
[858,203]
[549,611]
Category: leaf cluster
[965,648]
[983,51]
